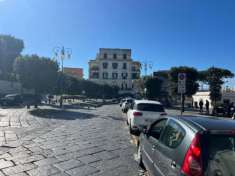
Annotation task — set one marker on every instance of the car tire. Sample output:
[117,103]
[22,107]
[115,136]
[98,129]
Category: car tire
[139,157]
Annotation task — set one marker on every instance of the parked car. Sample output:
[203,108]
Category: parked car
[188,146]
[20,99]
[127,104]
[142,113]
[11,100]
[31,99]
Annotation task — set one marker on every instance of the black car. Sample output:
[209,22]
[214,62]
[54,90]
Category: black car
[11,100]
[188,146]
[20,99]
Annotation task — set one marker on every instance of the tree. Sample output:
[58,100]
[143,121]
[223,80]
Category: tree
[10,48]
[73,86]
[214,77]
[139,86]
[38,73]
[191,81]
[154,87]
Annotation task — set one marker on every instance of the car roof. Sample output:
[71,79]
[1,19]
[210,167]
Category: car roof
[206,123]
[147,102]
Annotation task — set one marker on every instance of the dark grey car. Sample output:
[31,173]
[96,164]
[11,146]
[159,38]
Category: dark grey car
[188,146]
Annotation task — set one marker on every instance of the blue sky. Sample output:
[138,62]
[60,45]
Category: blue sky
[198,33]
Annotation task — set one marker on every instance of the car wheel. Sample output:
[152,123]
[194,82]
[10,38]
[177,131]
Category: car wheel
[139,157]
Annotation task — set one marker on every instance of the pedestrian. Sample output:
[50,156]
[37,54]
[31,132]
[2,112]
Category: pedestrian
[207,106]
[201,106]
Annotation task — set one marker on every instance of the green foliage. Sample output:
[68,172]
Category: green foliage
[10,48]
[38,73]
[214,77]
[154,87]
[191,81]
[73,86]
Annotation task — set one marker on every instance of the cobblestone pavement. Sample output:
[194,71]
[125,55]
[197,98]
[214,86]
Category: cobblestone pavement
[49,141]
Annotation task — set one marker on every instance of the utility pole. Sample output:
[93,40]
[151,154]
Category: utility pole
[62,53]
[147,65]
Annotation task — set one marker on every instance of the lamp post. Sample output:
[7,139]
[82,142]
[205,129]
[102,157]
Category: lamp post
[147,65]
[62,53]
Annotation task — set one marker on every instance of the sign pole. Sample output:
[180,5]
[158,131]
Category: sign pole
[182,89]
[181,113]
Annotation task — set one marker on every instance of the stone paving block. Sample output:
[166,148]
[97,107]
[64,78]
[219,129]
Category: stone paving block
[43,171]
[18,169]
[105,155]
[82,171]
[29,159]
[20,174]
[66,156]
[5,164]
[47,161]
[70,164]
[5,155]
[17,156]
[88,159]
[59,174]
[4,124]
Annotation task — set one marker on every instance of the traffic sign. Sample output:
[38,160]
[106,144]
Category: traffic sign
[182,83]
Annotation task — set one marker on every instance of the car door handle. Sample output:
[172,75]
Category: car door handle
[173,164]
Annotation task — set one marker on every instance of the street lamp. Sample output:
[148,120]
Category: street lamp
[62,53]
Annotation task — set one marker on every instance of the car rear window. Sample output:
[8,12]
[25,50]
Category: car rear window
[150,107]
[221,155]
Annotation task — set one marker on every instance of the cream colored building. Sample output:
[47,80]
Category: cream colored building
[115,67]
[227,95]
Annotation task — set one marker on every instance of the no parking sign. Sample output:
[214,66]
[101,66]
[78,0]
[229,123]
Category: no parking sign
[182,83]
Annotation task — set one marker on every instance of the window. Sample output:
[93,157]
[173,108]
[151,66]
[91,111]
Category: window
[105,65]
[115,65]
[115,75]
[95,75]
[124,66]
[172,135]
[105,55]
[124,75]
[115,56]
[105,75]
[157,128]
[150,107]
[124,56]
[135,76]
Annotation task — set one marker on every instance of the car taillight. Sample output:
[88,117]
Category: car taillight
[192,165]
[163,114]
[137,114]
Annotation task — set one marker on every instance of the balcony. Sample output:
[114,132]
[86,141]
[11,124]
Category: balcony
[95,68]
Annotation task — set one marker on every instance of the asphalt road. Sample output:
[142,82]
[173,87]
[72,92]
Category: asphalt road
[73,142]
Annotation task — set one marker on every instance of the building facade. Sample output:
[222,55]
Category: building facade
[115,67]
[228,95]
[74,72]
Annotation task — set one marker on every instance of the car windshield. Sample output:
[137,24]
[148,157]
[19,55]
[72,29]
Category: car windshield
[221,155]
[150,107]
